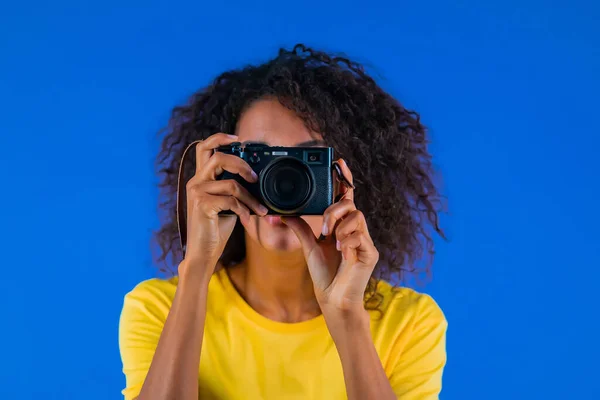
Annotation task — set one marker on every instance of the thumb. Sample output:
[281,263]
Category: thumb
[313,254]
[304,233]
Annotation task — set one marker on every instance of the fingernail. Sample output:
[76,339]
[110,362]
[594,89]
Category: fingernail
[325,229]
[232,136]
[338,245]
[262,209]
[254,176]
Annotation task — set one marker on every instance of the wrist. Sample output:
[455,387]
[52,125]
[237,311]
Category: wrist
[193,292]
[194,274]
[348,324]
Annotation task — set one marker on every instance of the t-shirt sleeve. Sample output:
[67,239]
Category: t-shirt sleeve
[141,323]
[417,375]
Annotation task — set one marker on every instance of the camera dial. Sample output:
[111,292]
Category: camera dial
[254,157]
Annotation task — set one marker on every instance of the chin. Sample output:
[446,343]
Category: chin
[272,234]
[275,235]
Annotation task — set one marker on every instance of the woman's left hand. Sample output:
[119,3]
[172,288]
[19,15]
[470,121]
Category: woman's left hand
[341,264]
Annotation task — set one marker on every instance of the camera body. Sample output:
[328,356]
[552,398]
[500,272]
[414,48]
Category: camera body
[291,180]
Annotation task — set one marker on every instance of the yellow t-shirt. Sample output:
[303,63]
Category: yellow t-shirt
[250,357]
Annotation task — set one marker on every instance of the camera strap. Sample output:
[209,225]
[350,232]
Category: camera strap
[181,218]
[181,199]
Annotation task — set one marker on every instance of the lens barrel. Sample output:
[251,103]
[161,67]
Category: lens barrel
[287,185]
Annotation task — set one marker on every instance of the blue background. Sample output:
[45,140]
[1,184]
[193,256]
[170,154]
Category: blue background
[509,90]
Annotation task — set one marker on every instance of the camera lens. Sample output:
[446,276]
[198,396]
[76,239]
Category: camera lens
[287,185]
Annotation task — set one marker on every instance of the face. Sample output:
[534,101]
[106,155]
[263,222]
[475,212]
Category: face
[267,121]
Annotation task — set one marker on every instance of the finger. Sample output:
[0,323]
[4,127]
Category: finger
[229,187]
[205,148]
[345,191]
[354,221]
[357,245]
[334,213]
[319,273]
[304,233]
[220,162]
[216,204]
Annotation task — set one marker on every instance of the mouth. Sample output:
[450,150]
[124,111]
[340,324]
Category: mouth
[274,220]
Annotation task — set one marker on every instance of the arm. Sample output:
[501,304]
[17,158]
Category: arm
[341,263]
[418,355]
[173,373]
[364,375]
[161,355]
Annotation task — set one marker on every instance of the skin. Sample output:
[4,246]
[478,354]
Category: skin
[288,275]
[269,242]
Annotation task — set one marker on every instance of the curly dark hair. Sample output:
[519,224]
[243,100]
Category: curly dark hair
[383,143]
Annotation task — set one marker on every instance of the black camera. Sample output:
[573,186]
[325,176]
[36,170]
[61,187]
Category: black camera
[291,180]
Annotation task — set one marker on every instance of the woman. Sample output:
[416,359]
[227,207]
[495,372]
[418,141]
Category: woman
[265,307]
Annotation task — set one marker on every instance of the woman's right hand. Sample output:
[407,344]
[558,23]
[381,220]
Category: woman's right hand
[207,231]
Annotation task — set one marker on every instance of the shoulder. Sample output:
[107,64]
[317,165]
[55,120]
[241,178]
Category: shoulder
[155,296]
[149,300]
[410,337]
[402,309]
[407,301]
[153,290]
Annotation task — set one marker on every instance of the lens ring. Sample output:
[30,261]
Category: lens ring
[291,195]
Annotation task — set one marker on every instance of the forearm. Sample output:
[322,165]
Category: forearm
[364,375]
[173,373]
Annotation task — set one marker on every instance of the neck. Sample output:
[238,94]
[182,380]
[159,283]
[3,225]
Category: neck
[276,284]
